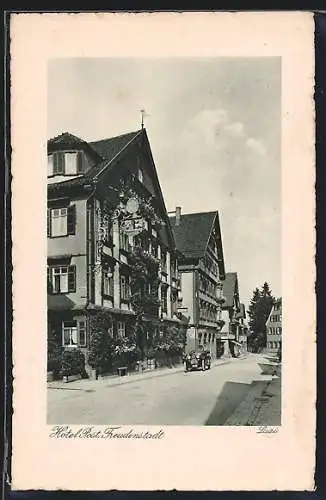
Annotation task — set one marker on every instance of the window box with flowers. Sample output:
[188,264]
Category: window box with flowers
[125,352]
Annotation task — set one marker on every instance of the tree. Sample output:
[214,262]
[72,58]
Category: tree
[259,309]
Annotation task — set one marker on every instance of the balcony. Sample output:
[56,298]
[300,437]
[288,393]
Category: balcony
[208,272]
[207,297]
[208,322]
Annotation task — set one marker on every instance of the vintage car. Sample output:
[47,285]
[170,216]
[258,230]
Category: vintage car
[198,361]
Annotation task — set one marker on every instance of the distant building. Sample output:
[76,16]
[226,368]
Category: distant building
[198,239]
[274,327]
[233,316]
[243,328]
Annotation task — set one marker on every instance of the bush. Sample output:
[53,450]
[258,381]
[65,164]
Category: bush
[54,358]
[101,345]
[72,362]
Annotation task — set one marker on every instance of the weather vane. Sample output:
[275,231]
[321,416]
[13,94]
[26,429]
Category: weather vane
[143,115]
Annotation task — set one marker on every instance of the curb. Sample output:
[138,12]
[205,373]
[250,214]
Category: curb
[134,378]
[156,375]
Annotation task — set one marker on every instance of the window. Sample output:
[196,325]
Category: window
[110,329]
[50,165]
[61,221]
[140,175]
[121,329]
[69,333]
[124,287]
[154,248]
[70,163]
[164,300]
[163,260]
[66,163]
[74,333]
[124,242]
[82,333]
[105,229]
[58,164]
[62,279]
[108,282]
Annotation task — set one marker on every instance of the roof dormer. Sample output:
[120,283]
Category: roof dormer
[70,156]
[69,163]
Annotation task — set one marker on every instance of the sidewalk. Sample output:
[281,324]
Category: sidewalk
[261,407]
[115,380]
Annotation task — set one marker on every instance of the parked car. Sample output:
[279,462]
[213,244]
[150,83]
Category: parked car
[198,361]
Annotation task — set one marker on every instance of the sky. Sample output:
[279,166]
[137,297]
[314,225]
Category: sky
[214,125]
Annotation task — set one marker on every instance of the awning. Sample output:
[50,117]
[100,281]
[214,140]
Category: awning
[125,312]
[57,258]
[60,303]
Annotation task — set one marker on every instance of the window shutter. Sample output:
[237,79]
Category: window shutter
[58,163]
[55,163]
[102,284]
[80,162]
[49,283]
[72,278]
[71,220]
[61,162]
[49,222]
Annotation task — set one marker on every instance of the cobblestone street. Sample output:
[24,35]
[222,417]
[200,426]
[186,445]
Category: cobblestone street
[233,392]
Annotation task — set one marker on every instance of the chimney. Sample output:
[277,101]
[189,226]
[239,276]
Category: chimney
[177,216]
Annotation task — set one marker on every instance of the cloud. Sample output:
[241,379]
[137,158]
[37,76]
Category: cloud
[256,145]
[235,129]
[216,130]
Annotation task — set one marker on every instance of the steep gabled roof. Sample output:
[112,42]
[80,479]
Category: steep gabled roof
[107,149]
[229,288]
[65,139]
[107,152]
[193,232]
[242,312]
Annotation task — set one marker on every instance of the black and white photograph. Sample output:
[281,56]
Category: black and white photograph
[163,187]
[164,299]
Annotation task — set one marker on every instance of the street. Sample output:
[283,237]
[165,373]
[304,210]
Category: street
[213,397]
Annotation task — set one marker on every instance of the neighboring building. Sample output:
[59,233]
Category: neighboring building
[198,238]
[243,328]
[92,230]
[274,327]
[232,315]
